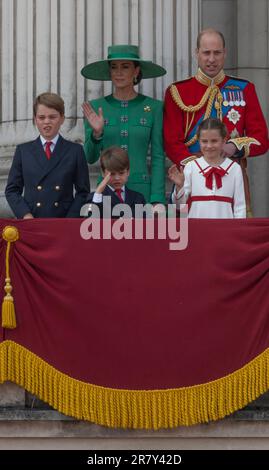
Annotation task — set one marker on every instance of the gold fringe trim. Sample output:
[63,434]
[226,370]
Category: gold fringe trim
[191,108]
[137,409]
[10,234]
[244,143]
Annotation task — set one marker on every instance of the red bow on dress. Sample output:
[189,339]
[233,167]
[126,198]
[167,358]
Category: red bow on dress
[218,172]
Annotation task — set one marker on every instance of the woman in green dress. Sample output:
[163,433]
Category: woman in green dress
[128,119]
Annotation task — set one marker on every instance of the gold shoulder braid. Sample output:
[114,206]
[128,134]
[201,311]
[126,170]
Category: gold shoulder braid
[189,159]
[189,109]
[212,93]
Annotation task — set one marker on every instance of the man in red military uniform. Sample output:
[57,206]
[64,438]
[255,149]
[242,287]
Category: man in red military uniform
[211,93]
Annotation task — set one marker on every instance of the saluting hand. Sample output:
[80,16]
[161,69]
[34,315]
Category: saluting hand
[100,188]
[95,120]
[176,175]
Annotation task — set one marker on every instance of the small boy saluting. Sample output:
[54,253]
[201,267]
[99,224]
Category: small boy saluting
[48,170]
[115,168]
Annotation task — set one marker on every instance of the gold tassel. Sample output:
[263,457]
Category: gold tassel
[8,309]
[10,234]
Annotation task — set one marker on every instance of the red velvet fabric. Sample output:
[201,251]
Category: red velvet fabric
[132,314]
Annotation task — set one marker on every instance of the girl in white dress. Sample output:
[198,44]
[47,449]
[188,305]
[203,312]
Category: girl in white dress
[212,185]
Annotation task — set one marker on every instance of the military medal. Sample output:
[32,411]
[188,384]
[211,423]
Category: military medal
[231,103]
[242,102]
[225,102]
[233,116]
[237,101]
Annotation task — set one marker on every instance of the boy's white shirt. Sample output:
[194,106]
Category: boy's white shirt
[54,142]
[98,197]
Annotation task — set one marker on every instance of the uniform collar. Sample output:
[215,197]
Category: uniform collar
[205,80]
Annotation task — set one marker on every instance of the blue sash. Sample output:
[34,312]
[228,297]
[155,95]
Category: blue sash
[195,148]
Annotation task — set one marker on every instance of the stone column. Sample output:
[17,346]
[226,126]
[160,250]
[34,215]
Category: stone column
[222,15]
[244,24]
[45,43]
[253,64]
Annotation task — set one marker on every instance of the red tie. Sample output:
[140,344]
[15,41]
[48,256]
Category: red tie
[47,149]
[218,172]
[118,192]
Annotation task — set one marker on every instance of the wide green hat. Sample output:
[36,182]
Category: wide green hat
[100,70]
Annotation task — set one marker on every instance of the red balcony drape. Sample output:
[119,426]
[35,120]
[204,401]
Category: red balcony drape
[144,327]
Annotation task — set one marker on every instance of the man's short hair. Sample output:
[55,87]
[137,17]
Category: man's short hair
[114,159]
[51,100]
[209,30]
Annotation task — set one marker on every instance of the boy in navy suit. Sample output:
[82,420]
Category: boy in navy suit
[48,176]
[115,168]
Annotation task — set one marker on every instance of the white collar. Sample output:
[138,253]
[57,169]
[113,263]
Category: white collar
[54,140]
[204,164]
[113,189]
